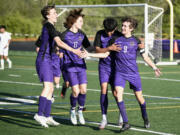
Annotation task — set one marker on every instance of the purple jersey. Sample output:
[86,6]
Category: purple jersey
[126,58]
[102,40]
[72,62]
[47,40]
[43,60]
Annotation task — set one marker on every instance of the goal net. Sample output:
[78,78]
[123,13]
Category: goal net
[149,19]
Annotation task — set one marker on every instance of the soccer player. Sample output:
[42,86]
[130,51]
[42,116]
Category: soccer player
[76,67]
[44,69]
[57,60]
[5,38]
[126,69]
[106,65]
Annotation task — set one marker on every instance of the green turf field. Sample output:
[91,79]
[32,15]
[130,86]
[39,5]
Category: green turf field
[21,82]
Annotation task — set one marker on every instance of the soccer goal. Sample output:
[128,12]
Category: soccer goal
[149,19]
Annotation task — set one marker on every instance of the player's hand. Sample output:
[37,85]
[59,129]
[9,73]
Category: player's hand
[85,54]
[115,47]
[157,72]
[61,55]
[79,52]
[106,54]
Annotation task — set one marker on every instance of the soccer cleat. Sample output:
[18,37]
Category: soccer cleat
[120,124]
[73,117]
[84,108]
[81,118]
[63,91]
[51,121]
[103,124]
[125,127]
[41,120]
[146,123]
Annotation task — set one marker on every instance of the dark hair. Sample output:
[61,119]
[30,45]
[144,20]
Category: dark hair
[45,11]
[110,24]
[3,26]
[133,22]
[72,17]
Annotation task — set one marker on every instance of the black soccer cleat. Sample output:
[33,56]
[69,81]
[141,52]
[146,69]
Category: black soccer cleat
[63,91]
[146,123]
[125,127]
[84,108]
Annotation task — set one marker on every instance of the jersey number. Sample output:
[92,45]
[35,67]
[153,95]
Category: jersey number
[75,44]
[125,49]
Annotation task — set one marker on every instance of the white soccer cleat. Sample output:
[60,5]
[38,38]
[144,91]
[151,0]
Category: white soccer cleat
[73,117]
[41,120]
[51,121]
[103,124]
[10,65]
[81,118]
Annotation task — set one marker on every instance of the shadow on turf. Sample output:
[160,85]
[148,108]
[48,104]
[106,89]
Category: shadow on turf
[13,118]
[10,95]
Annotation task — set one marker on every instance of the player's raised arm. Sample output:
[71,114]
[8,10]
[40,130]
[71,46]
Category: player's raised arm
[148,60]
[61,44]
[96,55]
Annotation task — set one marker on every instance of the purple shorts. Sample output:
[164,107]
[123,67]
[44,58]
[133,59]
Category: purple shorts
[44,70]
[134,81]
[77,78]
[56,67]
[106,75]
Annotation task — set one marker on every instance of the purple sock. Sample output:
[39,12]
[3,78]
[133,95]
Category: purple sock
[104,103]
[42,105]
[48,108]
[143,110]
[73,101]
[81,100]
[122,110]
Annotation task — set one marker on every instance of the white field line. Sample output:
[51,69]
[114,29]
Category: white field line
[38,84]
[8,103]
[13,75]
[96,123]
[24,83]
[162,79]
[18,100]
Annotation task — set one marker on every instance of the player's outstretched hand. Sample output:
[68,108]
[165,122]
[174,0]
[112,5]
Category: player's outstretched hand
[115,47]
[78,52]
[157,72]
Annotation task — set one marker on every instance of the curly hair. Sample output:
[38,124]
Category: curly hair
[110,24]
[72,17]
[133,22]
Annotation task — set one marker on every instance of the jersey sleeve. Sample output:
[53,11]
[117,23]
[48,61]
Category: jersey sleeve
[116,35]
[86,42]
[97,40]
[51,30]
[138,41]
[38,41]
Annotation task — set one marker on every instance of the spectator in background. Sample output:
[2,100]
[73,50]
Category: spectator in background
[5,38]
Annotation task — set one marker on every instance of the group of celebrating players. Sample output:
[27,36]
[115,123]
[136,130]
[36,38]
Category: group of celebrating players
[66,51]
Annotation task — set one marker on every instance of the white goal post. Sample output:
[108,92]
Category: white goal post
[149,22]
